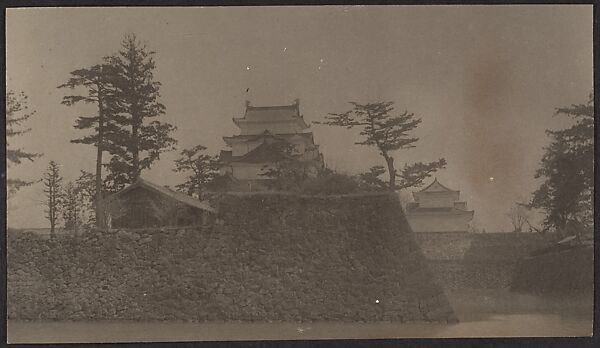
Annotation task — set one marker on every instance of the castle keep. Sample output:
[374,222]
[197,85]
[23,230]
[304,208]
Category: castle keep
[255,149]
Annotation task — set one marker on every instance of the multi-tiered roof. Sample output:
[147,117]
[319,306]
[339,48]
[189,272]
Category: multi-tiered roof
[260,128]
[438,198]
[437,208]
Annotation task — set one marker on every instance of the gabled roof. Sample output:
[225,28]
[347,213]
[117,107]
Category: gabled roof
[436,186]
[177,196]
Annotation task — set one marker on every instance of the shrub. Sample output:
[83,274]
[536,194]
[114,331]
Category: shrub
[329,182]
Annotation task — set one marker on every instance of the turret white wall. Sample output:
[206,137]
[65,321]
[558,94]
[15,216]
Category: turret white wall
[439,223]
[240,149]
[437,199]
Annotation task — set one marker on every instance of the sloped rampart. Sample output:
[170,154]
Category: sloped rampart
[272,257]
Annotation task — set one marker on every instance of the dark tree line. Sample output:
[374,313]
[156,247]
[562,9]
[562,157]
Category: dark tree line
[68,204]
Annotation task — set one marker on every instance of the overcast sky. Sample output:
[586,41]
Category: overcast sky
[484,79]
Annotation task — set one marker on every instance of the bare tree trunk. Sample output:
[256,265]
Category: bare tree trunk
[52,222]
[100,149]
[391,170]
[52,210]
[135,152]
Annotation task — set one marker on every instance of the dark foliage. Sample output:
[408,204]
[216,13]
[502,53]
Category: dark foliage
[71,207]
[52,181]
[567,167]
[328,182]
[287,172]
[201,168]
[137,91]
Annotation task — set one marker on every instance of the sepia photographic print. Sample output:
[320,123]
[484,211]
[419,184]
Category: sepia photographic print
[299,173]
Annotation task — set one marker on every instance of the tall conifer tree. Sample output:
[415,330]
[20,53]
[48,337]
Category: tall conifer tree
[17,112]
[53,190]
[138,95]
[98,82]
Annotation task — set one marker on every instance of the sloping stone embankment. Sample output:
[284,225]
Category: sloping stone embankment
[477,260]
[565,271]
[273,257]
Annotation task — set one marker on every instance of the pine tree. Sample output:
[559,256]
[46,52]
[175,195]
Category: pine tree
[202,170]
[16,114]
[287,172]
[53,190]
[98,82]
[138,95]
[388,133]
[71,206]
[86,188]
[567,167]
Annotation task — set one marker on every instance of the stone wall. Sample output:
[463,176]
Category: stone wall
[565,270]
[425,223]
[269,257]
[477,260]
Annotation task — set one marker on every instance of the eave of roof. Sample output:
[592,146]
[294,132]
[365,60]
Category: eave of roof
[292,110]
[177,196]
[249,137]
[262,153]
[240,122]
[439,211]
[293,107]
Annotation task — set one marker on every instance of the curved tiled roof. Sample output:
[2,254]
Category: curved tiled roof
[435,181]
[266,133]
[278,113]
[272,113]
